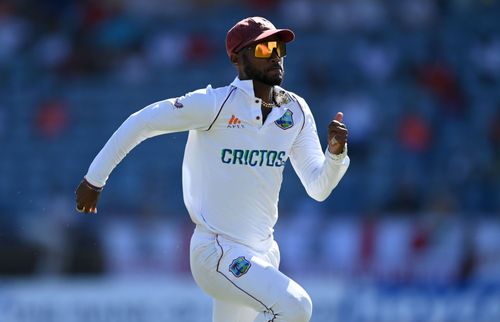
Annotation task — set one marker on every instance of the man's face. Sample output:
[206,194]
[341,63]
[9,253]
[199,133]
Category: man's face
[269,71]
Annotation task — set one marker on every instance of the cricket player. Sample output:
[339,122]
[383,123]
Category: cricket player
[240,137]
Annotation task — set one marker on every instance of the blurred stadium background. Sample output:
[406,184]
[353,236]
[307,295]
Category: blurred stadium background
[412,233]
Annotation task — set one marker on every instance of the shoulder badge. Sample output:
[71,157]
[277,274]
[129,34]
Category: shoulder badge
[178,104]
[286,121]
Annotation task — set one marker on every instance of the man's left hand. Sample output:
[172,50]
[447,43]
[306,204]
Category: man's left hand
[337,135]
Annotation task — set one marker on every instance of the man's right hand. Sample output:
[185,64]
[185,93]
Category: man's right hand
[87,196]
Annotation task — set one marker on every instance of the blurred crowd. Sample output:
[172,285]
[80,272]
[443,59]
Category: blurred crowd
[418,82]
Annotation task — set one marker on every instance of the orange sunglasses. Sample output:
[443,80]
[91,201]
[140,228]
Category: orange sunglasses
[265,49]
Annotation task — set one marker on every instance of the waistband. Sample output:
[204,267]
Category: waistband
[259,246]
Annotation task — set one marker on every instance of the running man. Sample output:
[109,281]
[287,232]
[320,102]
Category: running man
[240,137]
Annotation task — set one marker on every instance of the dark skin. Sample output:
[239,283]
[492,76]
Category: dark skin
[265,74]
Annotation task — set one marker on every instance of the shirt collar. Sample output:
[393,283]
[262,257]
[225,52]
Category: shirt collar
[245,85]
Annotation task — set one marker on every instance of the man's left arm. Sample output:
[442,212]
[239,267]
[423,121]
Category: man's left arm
[319,171]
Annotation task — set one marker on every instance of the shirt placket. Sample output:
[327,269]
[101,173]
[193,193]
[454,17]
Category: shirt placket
[256,112]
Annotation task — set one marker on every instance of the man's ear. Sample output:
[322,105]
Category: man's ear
[235,59]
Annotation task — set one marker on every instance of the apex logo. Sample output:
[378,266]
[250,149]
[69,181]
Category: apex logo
[234,122]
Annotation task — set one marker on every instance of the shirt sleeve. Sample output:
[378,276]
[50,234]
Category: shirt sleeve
[193,111]
[319,171]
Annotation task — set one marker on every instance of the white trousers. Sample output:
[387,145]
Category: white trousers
[245,283]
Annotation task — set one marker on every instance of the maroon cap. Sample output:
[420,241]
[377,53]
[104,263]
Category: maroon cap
[252,30]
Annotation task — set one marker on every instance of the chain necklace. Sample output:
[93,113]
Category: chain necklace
[279,98]
[268,105]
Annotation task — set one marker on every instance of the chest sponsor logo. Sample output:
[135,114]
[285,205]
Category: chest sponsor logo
[254,158]
[286,121]
[234,123]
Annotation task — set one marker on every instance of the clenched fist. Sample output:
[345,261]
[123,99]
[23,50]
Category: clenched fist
[337,135]
[87,196]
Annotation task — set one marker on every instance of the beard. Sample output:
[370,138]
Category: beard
[260,76]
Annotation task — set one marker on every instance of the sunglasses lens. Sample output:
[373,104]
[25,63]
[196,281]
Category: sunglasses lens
[262,50]
[265,49]
[281,49]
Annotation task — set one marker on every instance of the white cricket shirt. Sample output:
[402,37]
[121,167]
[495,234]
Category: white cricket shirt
[233,164]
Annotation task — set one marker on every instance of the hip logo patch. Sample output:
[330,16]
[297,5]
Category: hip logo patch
[240,266]
[286,121]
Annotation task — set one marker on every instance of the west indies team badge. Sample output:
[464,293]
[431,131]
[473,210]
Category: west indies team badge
[286,121]
[239,266]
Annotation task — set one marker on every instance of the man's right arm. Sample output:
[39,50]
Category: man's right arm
[193,111]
